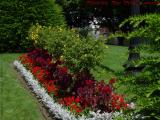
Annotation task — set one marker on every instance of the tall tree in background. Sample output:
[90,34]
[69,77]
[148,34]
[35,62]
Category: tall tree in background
[75,12]
[145,85]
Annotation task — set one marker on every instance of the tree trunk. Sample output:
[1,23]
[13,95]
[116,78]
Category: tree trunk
[133,55]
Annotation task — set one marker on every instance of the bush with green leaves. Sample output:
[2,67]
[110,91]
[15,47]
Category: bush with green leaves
[85,53]
[68,45]
[17,16]
[144,88]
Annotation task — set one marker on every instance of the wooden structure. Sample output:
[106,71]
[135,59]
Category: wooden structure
[113,2]
[121,2]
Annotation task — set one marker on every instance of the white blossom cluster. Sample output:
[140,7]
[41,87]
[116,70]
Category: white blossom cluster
[56,109]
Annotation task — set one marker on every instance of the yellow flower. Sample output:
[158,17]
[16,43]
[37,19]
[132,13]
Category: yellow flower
[61,57]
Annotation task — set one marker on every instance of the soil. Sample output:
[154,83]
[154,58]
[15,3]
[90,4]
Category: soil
[44,111]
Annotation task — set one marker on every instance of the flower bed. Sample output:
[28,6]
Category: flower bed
[77,92]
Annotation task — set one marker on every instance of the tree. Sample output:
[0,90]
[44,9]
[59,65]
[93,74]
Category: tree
[17,16]
[74,12]
[144,86]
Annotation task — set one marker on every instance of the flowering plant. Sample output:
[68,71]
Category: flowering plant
[75,90]
[72,103]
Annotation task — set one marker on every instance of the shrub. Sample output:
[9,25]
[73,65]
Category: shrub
[100,96]
[34,34]
[85,53]
[68,45]
[58,39]
[17,16]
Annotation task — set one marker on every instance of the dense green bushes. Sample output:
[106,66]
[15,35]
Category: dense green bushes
[17,16]
[66,44]
[144,88]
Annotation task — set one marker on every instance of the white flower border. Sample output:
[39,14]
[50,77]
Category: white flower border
[56,109]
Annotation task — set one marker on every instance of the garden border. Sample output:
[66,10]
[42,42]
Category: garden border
[54,108]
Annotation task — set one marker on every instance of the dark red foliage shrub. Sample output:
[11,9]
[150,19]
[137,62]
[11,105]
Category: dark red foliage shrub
[76,90]
[80,79]
[95,95]
[41,57]
[63,78]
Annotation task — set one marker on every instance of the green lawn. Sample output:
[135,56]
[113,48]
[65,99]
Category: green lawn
[114,58]
[16,103]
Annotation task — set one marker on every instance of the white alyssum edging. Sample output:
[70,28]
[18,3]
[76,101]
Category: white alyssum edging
[56,109]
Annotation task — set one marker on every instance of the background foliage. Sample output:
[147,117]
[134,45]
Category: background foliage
[144,88]
[17,16]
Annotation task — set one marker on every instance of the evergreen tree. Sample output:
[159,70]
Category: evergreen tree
[18,15]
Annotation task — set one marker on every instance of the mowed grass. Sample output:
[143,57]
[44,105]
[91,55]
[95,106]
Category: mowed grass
[112,63]
[16,103]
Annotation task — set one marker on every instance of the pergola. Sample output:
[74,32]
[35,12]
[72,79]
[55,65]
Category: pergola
[113,2]
[121,2]
[127,7]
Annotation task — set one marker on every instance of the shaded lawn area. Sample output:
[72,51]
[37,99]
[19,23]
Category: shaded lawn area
[114,58]
[16,103]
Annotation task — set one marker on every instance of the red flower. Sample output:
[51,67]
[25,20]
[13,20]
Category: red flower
[125,105]
[78,110]
[73,107]
[118,107]
[112,81]
[118,102]
[107,89]
[90,93]
[113,103]
[77,100]
[89,82]
[64,69]
[121,99]
[51,88]
[49,60]
[70,101]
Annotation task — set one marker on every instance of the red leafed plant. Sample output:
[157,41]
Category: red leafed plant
[117,102]
[77,91]
[39,73]
[72,102]
[51,87]
[27,61]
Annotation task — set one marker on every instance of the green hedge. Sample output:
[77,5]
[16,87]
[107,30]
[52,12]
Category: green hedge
[17,16]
